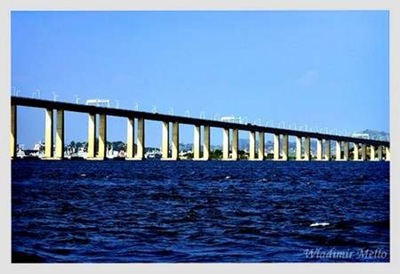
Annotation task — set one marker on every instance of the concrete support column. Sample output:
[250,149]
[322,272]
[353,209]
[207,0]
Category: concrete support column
[327,150]
[285,147]
[338,150]
[261,141]
[387,154]
[363,152]
[140,140]
[235,144]
[60,134]
[13,131]
[206,145]
[252,145]
[319,149]
[130,138]
[356,152]
[48,149]
[346,151]
[91,135]
[102,136]
[307,146]
[372,153]
[165,140]
[175,141]
[276,147]
[196,142]
[225,144]
[298,148]
[379,153]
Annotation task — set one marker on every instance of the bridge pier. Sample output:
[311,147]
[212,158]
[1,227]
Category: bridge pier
[102,137]
[356,152]
[346,151]
[298,148]
[48,136]
[100,152]
[261,145]
[196,142]
[140,141]
[59,153]
[235,144]
[91,136]
[206,143]
[307,149]
[13,131]
[130,143]
[49,152]
[252,145]
[175,141]
[327,154]
[379,152]
[319,149]
[372,153]
[165,140]
[307,146]
[338,150]
[285,147]
[276,146]
[387,158]
[363,152]
[225,144]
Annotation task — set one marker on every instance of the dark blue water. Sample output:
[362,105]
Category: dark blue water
[156,211]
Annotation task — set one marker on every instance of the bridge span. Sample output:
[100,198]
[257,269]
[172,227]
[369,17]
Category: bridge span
[362,149]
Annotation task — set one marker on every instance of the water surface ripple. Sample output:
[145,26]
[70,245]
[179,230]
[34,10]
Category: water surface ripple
[157,211]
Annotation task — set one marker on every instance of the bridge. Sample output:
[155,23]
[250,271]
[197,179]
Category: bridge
[362,149]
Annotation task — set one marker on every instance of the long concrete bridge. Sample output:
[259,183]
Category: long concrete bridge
[362,149]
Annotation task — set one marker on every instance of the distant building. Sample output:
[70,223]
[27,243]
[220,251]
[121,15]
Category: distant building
[360,135]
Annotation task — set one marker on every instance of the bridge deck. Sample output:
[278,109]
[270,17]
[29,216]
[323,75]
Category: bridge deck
[47,104]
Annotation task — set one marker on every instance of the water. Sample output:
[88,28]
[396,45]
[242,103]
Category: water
[156,211]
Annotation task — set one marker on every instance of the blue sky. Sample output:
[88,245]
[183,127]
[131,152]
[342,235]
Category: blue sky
[325,69]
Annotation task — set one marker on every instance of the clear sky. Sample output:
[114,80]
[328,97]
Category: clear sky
[325,69]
